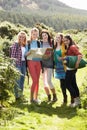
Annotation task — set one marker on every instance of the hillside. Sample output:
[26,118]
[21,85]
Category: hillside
[31,4]
[50,12]
[38,5]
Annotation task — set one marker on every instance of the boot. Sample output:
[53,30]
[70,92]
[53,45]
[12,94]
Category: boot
[54,98]
[49,98]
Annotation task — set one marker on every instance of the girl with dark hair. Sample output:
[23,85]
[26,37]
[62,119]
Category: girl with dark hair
[72,50]
[47,71]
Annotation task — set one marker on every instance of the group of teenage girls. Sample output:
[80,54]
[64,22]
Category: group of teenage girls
[62,46]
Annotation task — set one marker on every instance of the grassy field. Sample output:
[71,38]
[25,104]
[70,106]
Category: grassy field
[46,116]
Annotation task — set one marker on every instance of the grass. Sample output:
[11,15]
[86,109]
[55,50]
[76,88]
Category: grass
[46,116]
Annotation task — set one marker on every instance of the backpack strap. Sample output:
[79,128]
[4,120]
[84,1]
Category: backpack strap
[38,44]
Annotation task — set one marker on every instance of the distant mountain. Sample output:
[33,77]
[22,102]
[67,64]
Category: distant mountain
[31,4]
[53,6]
[50,12]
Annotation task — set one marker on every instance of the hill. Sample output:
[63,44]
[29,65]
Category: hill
[50,12]
[32,4]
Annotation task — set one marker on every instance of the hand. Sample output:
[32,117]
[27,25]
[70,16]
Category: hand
[79,57]
[78,61]
[28,53]
[60,58]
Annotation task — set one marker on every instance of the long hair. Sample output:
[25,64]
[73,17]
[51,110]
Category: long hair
[61,35]
[31,31]
[49,37]
[22,33]
[70,39]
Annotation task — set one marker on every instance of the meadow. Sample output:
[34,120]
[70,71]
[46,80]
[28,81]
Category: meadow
[46,116]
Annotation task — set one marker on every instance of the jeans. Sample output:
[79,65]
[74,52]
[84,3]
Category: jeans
[71,84]
[20,82]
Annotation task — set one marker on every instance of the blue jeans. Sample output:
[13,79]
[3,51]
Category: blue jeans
[18,89]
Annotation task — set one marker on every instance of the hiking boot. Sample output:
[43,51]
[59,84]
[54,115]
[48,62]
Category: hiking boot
[54,98]
[49,98]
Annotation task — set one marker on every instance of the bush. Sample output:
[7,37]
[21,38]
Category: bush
[8,76]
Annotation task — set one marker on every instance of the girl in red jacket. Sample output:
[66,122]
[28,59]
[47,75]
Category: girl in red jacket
[72,50]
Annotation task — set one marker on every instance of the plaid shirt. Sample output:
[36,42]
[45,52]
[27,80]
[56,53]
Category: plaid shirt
[16,53]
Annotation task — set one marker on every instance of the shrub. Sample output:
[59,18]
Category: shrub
[8,76]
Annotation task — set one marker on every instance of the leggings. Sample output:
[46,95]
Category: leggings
[34,69]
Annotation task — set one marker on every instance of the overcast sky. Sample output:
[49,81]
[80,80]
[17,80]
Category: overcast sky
[80,4]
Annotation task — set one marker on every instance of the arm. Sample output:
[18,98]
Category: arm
[78,61]
[13,51]
[75,52]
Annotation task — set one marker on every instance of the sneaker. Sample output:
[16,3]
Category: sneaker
[36,101]
[76,102]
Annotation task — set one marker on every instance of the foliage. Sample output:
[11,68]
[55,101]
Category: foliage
[52,13]
[8,35]
[42,26]
[6,48]
[8,77]
[8,30]
[58,21]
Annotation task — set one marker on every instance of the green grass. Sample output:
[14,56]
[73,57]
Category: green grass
[45,116]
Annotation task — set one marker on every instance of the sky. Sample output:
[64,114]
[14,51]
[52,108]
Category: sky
[79,4]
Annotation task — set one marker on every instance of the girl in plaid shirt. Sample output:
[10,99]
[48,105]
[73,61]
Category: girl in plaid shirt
[18,52]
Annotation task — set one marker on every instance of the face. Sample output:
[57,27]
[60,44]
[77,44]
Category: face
[45,37]
[58,39]
[66,41]
[22,39]
[34,35]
